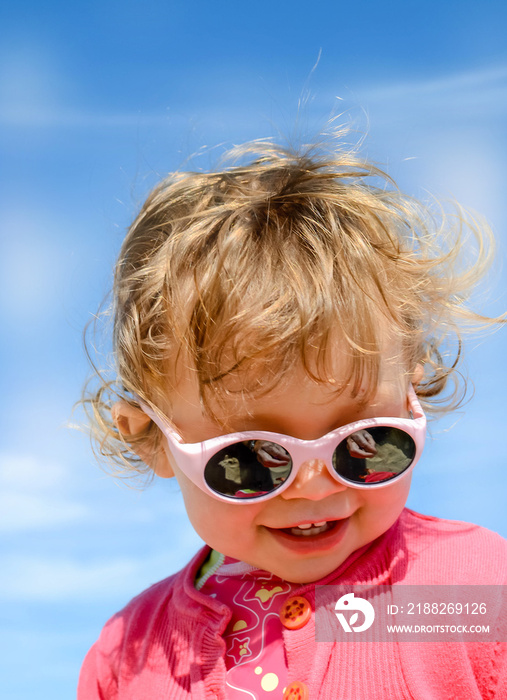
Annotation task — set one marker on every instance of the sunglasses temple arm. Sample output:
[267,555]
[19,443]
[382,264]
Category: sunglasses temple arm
[415,405]
[162,424]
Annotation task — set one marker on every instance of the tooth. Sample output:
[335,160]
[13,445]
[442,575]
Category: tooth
[305,527]
[308,531]
[320,524]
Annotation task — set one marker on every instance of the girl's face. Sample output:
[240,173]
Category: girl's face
[253,532]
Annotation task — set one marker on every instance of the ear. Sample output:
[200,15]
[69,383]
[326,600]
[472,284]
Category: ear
[417,374]
[130,421]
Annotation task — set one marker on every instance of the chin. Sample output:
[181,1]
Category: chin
[309,573]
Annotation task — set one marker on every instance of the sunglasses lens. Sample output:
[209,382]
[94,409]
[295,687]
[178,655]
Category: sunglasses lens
[374,455]
[248,469]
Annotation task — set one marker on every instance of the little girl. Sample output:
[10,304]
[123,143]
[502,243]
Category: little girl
[277,328]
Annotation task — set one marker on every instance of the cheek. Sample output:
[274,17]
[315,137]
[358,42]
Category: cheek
[199,506]
[216,522]
[383,506]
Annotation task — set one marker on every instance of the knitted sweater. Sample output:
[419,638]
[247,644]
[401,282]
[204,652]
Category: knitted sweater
[166,643]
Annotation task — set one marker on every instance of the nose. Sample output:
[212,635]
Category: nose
[314,482]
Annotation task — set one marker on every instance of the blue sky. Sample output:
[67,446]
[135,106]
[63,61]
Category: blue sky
[97,101]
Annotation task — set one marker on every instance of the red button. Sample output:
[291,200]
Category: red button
[296,691]
[295,613]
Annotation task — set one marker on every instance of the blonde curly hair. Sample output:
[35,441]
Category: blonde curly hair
[248,271]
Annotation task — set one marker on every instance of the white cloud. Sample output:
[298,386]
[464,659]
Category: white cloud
[452,126]
[34,92]
[23,511]
[44,116]
[32,269]
[488,83]
[35,578]
[32,494]
[30,78]
[32,578]
[22,471]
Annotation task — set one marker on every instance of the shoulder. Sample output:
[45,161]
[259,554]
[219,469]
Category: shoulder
[142,612]
[147,605]
[128,648]
[443,531]
[452,550]
[155,608]
[174,592]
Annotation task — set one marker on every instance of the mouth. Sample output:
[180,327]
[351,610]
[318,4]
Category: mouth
[310,529]
[310,538]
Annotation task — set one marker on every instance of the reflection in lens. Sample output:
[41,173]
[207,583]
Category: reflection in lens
[248,469]
[374,455]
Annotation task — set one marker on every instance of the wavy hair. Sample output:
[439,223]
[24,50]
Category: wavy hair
[253,269]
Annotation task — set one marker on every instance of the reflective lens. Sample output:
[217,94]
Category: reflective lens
[253,468]
[372,455]
[248,469]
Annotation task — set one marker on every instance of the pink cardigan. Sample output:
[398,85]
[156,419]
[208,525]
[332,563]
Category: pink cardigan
[166,643]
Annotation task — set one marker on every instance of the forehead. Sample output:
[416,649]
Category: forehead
[295,394]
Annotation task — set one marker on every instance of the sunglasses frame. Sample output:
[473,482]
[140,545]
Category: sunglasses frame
[192,457]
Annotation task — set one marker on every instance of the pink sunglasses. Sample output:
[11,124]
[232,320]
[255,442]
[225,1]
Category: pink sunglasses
[258,465]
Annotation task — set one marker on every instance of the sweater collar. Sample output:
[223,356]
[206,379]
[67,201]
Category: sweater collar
[371,564]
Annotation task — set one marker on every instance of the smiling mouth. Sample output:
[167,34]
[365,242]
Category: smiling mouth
[310,529]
